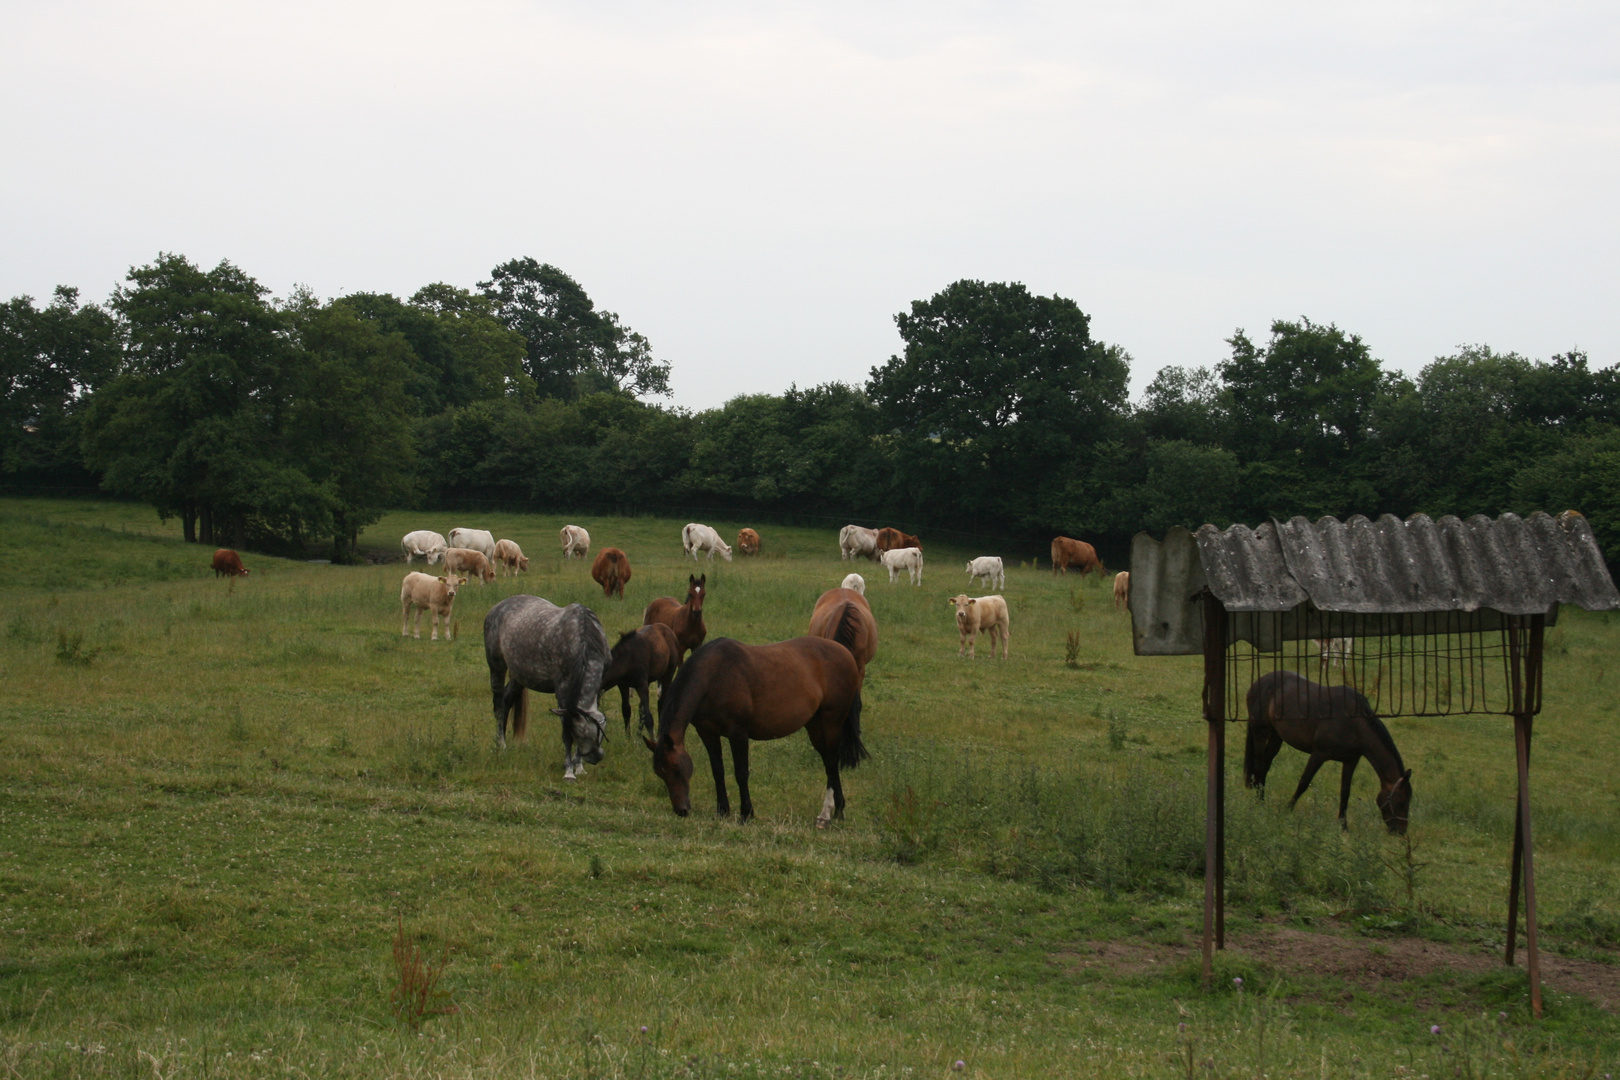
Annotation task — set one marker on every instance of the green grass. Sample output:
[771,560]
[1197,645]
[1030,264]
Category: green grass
[217,802]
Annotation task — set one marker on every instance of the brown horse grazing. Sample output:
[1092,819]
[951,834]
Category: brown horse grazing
[747,542]
[738,692]
[611,570]
[685,619]
[647,654]
[1330,724]
[842,615]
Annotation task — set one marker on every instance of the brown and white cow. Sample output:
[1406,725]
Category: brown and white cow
[424,592]
[747,542]
[469,562]
[611,570]
[1067,552]
[979,615]
[576,542]
[1122,590]
[229,563]
[510,557]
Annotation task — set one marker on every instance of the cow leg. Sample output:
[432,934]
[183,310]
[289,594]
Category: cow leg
[739,765]
[405,619]
[1316,762]
[1344,789]
[717,765]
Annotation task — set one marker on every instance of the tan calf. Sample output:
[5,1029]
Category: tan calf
[978,615]
[424,592]
[508,556]
[469,562]
[1122,590]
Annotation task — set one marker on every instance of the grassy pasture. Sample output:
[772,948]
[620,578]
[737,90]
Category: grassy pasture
[218,803]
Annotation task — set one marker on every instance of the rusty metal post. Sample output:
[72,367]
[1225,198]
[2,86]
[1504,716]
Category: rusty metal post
[1215,808]
[1526,689]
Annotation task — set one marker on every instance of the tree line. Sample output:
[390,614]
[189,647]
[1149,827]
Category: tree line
[292,423]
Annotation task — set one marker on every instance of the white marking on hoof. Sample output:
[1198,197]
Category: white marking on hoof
[568,774]
[827,805]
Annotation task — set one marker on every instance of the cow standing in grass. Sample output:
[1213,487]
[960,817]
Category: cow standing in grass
[510,557]
[977,615]
[1067,552]
[469,562]
[747,542]
[855,582]
[425,543]
[990,568]
[909,559]
[696,538]
[576,542]
[1122,590]
[855,542]
[229,563]
[424,592]
[611,570]
[479,540]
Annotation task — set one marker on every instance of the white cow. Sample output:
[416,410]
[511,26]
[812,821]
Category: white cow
[478,540]
[423,542]
[988,567]
[856,582]
[696,538]
[977,615]
[423,592]
[575,541]
[907,559]
[855,542]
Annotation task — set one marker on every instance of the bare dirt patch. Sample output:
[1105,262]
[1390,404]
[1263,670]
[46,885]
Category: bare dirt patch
[1367,964]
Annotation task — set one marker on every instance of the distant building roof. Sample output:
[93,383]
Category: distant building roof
[1389,567]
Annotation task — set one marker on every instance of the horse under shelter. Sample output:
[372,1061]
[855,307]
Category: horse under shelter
[1424,617]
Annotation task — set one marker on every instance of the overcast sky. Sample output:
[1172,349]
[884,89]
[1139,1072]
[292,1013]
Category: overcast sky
[759,188]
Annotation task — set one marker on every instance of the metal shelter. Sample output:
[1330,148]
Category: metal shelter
[1424,617]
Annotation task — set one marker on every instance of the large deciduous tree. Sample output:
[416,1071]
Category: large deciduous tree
[997,400]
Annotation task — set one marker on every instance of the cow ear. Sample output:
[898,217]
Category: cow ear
[442,579]
[972,602]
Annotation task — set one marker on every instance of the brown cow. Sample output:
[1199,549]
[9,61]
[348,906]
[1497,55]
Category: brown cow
[842,615]
[1122,590]
[229,563]
[611,570]
[423,592]
[685,619]
[469,562]
[889,539]
[645,655]
[747,542]
[1076,553]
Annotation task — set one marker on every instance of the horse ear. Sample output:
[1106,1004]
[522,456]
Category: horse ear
[704,580]
[1407,776]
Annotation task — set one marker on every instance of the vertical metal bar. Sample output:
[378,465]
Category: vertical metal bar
[1521,738]
[1516,864]
[1214,810]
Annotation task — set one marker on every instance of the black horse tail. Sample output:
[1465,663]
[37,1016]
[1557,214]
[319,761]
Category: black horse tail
[848,627]
[851,751]
[520,715]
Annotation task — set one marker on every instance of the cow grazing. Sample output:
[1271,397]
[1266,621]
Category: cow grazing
[854,542]
[1122,590]
[646,655]
[842,615]
[696,538]
[854,581]
[510,557]
[909,559]
[1076,553]
[748,542]
[479,540]
[685,619]
[890,539]
[229,563]
[424,542]
[611,570]
[979,615]
[988,567]
[424,592]
[467,561]
[576,542]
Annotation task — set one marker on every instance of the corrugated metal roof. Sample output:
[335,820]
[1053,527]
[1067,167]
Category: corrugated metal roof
[1379,573]
[1513,565]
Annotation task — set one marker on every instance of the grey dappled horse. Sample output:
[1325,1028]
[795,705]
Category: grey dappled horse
[551,650]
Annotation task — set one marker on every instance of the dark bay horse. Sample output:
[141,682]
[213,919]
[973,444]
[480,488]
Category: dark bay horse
[1330,723]
[842,615]
[738,692]
[645,655]
[685,619]
[552,650]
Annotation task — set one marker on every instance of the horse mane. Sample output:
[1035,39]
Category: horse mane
[1381,732]
[669,701]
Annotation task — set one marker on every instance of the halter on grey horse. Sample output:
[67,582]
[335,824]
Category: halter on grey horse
[551,650]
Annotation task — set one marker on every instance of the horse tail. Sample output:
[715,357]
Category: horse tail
[849,627]
[520,715]
[851,751]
